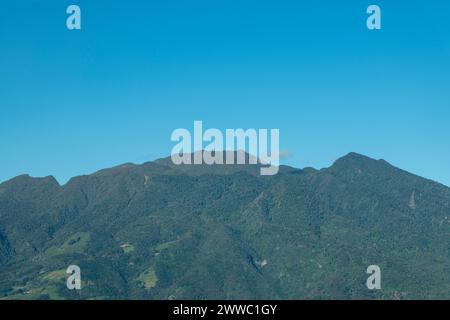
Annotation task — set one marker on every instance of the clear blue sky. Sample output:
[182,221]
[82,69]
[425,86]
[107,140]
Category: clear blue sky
[72,102]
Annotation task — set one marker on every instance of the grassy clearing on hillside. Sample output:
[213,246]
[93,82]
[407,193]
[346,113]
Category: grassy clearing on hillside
[148,278]
[76,243]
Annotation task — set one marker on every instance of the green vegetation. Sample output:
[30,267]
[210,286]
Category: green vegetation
[127,248]
[148,278]
[218,232]
[165,245]
[76,243]
[46,287]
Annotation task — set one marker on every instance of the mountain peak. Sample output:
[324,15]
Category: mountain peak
[168,213]
[356,163]
[355,156]
[27,179]
[355,159]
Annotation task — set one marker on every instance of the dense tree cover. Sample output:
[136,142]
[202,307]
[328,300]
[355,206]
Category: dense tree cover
[159,231]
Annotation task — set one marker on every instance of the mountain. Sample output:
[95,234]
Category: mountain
[160,231]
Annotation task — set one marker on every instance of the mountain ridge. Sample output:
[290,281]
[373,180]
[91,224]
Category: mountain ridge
[153,231]
[166,162]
